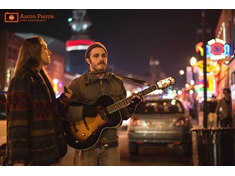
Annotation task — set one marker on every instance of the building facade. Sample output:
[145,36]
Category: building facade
[226,31]
[9,48]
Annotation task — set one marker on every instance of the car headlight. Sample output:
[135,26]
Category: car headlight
[137,122]
[182,122]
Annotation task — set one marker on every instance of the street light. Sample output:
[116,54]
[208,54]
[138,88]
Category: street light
[181,72]
[193,62]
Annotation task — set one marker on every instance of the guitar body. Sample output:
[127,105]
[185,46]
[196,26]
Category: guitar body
[85,134]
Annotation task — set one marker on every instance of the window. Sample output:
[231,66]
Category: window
[160,106]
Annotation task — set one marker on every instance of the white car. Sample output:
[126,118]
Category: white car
[2,124]
[159,121]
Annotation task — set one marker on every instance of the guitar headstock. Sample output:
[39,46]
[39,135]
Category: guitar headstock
[162,84]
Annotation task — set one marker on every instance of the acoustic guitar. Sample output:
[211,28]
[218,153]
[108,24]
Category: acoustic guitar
[85,134]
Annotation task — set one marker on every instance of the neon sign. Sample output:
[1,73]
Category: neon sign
[199,48]
[217,49]
[78,44]
[212,67]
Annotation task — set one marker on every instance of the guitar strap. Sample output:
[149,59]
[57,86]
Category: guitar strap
[133,80]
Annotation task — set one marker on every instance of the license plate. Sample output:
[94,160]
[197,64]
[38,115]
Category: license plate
[158,124]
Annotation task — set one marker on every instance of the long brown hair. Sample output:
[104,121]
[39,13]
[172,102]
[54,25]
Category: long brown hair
[30,53]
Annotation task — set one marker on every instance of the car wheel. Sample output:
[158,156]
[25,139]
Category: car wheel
[187,149]
[133,148]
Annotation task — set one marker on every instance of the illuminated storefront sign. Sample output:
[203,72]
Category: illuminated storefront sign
[213,68]
[217,49]
[199,48]
[211,86]
[78,44]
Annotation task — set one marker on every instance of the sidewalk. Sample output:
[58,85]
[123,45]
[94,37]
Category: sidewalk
[199,124]
[196,124]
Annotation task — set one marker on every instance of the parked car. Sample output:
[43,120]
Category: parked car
[159,121]
[2,124]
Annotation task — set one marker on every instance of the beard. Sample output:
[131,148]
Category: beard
[100,66]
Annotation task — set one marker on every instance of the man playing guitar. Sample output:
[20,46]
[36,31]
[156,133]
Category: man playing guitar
[96,111]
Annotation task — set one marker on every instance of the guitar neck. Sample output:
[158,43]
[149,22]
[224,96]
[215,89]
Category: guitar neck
[123,103]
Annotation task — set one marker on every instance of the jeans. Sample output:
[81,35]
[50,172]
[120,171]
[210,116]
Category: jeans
[97,157]
[226,122]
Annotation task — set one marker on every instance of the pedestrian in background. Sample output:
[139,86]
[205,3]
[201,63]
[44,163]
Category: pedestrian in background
[212,116]
[224,109]
[35,133]
[97,86]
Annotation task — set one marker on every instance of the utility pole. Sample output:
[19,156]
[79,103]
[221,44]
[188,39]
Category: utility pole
[204,67]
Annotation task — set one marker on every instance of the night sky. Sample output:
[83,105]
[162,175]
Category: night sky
[132,35]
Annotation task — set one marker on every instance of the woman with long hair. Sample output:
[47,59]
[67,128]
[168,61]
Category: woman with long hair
[35,133]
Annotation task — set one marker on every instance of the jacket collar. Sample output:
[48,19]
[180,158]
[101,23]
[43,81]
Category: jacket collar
[92,76]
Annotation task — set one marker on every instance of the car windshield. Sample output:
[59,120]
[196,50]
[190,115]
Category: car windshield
[160,106]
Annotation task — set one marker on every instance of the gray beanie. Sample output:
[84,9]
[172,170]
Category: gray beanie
[95,45]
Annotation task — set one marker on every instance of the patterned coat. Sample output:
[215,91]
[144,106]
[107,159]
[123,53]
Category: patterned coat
[34,129]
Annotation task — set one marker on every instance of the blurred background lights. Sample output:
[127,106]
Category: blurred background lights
[181,72]
[179,92]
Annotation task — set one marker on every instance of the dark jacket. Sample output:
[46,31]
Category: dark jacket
[87,89]
[212,106]
[34,129]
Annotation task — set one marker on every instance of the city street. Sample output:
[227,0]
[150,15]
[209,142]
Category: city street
[148,155]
